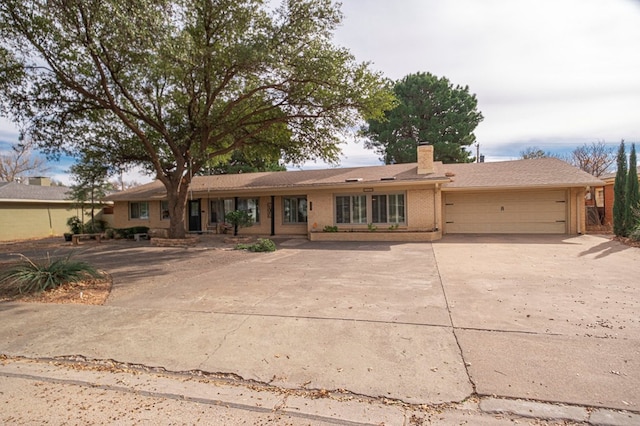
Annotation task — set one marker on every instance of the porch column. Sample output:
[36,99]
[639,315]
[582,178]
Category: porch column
[273,215]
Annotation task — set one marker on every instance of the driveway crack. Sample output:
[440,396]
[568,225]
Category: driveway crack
[453,327]
[223,340]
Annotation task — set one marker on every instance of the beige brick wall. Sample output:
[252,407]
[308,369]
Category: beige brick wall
[421,210]
[121,217]
[321,214]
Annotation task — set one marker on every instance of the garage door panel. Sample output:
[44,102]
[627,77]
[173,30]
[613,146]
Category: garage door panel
[515,212]
[509,228]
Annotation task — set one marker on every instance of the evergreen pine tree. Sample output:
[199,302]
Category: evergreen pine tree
[619,190]
[632,196]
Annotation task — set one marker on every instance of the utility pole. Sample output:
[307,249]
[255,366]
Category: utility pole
[477,152]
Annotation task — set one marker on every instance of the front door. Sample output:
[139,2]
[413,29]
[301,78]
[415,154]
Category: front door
[195,221]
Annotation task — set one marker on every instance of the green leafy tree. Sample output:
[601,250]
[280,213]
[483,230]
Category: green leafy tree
[632,196]
[172,84]
[429,109]
[246,161]
[11,71]
[619,190]
[91,184]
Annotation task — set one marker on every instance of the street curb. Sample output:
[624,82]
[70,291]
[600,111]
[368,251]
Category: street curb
[558,412]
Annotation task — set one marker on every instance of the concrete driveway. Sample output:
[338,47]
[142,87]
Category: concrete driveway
[545,318]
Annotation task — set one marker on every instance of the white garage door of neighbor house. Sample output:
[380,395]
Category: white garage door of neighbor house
[531,212]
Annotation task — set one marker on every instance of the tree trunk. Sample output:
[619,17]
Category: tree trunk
[93,225]
[177,200]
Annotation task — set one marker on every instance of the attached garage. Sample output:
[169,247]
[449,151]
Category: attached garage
[536,196]
[508,212]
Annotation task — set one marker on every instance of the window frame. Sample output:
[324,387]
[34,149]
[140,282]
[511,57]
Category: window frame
[389,206]
[256,216]
[394,205]
[164,203]
[298,199]
[140,216]
[356,204]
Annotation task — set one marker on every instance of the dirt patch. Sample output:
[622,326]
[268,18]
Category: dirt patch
[90,292]
[628,241]
[19,246]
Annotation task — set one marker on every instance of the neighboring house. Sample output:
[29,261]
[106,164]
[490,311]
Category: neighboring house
[403,202]
[36,210]
[605,197]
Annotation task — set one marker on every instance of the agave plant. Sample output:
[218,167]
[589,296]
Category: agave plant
[32,276]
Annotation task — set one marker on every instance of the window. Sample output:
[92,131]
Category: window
[396,208]
[252,206]
[139,210]
[385,208]
[351,209]
[216,211]
[164,210]
[295,209]
[379,208]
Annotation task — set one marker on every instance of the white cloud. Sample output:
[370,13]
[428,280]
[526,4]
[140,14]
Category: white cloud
[552,73]
[542,70]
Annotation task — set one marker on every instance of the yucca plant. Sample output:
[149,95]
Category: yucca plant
[30,276]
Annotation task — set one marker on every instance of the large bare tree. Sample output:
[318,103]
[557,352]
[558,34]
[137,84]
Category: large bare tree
[21,161]
[595,158]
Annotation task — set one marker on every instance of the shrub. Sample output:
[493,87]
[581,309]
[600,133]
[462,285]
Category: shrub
[29,276]
[129,232]
[635,233]
[240,218]
[96,227]
[261,245]
[75,224]
[329,228]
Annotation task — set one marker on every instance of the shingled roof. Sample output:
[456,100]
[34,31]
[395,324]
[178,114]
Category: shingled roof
[531,173]
[12,191]
[545,172]
[291,179]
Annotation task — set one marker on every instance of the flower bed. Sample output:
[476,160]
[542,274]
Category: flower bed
[400,236]
[174,242]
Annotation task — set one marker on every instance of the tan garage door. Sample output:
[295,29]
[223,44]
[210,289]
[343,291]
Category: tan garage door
[531,212]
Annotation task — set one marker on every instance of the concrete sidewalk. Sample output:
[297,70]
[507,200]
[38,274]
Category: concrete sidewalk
[540,318]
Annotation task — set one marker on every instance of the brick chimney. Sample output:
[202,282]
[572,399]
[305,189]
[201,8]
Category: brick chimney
[40,181]
[425,158]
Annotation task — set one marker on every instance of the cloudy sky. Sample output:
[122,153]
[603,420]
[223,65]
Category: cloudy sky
[554,74]
[549,73]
